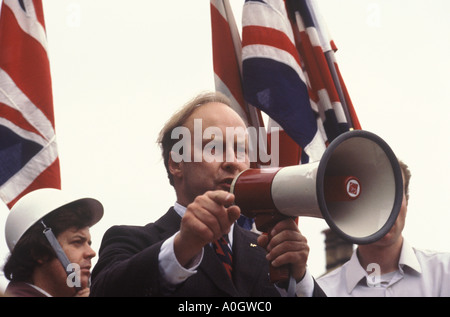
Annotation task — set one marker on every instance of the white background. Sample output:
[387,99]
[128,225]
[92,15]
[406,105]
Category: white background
[121,68]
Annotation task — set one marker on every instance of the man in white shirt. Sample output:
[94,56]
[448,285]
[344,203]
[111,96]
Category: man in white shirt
[390,266]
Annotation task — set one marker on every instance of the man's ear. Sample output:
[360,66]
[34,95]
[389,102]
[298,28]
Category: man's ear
[175,167]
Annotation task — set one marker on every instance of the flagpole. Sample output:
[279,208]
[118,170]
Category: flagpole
[322,102]
[317,50]
[325,40]
[331,58]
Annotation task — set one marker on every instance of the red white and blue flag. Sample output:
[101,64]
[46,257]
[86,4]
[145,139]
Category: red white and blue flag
[227,63]
[226,45]
[28,150]
[273,78]
[327,88]
[290,73]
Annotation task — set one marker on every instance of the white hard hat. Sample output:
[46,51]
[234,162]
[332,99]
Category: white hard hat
[35,205]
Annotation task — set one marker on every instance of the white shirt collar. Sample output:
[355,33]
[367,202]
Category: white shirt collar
[179,209]
[355,272]
[408,257]
[40,290]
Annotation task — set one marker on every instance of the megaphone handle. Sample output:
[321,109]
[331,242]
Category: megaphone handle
[265,221]
[280,273]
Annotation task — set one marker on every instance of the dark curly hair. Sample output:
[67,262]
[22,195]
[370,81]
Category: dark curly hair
[34,246]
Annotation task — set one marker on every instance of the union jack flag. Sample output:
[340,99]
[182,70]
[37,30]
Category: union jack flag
[273,78]
[327,89]
[28,151]
[227,60]
[289,72]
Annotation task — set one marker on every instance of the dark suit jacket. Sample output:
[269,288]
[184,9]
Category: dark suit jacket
[128,264]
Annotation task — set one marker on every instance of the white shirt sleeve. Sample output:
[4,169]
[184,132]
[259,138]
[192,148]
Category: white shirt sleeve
[304,288]
[172,272]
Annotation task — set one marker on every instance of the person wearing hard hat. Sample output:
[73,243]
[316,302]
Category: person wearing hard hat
[47,233]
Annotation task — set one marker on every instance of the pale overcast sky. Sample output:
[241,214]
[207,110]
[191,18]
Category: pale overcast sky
[120,69]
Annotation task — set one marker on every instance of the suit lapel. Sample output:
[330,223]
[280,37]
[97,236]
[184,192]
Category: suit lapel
[213,268]
[168,224]
[249,261]
[249,265]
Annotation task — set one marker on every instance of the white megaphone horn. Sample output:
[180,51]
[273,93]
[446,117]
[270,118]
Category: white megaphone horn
[356,187]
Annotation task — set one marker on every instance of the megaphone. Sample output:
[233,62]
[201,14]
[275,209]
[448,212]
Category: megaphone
[356,187]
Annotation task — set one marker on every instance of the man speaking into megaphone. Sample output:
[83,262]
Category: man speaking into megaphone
[183,253]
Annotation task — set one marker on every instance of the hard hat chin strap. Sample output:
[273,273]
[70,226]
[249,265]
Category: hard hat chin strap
[62,257]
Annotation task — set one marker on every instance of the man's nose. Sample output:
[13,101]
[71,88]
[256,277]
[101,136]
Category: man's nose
[235,165]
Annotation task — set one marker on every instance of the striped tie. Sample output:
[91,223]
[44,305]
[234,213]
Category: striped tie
[224,253]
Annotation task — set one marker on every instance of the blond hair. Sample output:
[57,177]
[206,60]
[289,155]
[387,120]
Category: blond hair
[407,174]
